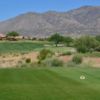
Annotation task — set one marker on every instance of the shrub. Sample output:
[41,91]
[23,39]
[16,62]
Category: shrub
[97,49]
[53,62]
[13,33]
[82,49]
[44,54]
[56,63]
[98,38]
[77,59]
[86,43]
[68,40]
[66,53]
[28,60]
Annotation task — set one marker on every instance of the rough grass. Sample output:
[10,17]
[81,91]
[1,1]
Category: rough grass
[57,49]
[49,84]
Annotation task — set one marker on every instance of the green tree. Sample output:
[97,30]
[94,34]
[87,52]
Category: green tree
[56,38]
[86,44]
[13,33]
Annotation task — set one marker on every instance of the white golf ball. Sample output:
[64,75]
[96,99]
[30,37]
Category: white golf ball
[82,77]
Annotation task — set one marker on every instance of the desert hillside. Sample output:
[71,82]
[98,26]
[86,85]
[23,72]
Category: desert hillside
[84,20]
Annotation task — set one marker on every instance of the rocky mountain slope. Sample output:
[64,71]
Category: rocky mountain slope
[84,20]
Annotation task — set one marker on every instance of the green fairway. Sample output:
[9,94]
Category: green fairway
[27,46]
[13,47]
[49,84]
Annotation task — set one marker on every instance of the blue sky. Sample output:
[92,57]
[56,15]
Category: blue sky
[11,8]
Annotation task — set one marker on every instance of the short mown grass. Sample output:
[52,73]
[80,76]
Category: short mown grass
[49,84]
[28,46]
[13,47]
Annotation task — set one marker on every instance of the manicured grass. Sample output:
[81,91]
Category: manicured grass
[27,46]
[49,84]
[9,46]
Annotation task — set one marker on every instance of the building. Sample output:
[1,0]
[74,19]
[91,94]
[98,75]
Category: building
[2,36]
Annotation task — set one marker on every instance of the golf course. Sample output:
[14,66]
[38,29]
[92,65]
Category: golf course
[50,50]
[27,74]
[50,84]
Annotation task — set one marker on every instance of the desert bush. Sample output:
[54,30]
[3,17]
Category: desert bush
[66,53]
[56,63]
[13,33]
[28,60]
[97,49]
[86,44]
[67,40]
[44,54]
[53,62]
[97,38]
[77,59]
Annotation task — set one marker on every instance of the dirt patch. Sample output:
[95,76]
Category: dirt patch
[94,61]
[65,58]
[11,60]
[32,56]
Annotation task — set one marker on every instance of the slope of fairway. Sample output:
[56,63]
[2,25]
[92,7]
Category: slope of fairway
[49,84]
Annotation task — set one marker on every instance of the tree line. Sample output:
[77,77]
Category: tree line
[83,44]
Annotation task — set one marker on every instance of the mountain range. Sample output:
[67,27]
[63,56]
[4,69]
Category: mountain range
[83,20]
